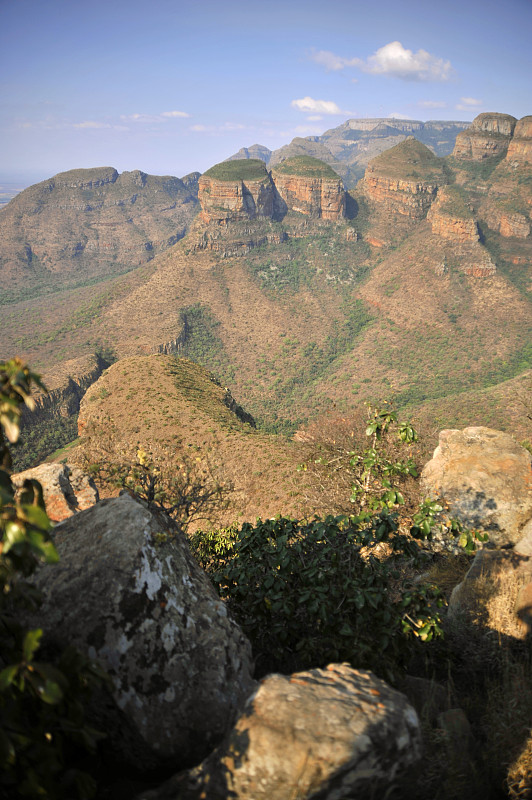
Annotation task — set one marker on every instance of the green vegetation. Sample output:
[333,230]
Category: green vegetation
[307,167]
[202,343]
[244,169]
[410,160]
[455,202]
[476,170]
[40,438]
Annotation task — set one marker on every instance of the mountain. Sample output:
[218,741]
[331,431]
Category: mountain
[415,288]
[83,225]
[349,147]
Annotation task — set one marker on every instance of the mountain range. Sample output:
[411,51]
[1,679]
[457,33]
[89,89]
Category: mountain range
[304,298]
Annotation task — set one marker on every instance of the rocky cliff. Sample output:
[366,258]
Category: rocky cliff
[405,179]
[489,135]
[310,187]
[239,190]
[451,218]
[520,147]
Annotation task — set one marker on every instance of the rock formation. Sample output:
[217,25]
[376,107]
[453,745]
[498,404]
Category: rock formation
[239,190]
[404,180]
[235,191]
[520,147]
[451,218]
[329,733]
[128,593]
[484,478]
[66,491]
[489,135]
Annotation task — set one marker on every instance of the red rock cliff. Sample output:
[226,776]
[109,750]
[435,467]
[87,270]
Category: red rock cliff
[489,135]
[520,147]
[316,197]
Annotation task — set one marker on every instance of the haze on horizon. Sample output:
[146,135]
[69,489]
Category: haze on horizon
[172,87]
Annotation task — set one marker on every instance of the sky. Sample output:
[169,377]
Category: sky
[174,86]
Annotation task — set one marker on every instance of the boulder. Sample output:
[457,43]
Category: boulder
[128,593]
[496,594]
[330,733]
[484,478]
[66,491]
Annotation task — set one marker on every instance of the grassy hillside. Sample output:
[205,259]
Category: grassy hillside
[306,166]
[251,169]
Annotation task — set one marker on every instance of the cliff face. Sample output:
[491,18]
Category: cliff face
[489,135]
[314,197]
[450,218]
[520,147]
[404,180]
[224,201]
[304,185]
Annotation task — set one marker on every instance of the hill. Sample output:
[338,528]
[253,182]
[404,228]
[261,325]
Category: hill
[85,225]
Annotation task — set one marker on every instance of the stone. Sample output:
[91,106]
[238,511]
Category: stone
[128,593]
[66,490]
[315,197]
[484,478]
[496,594]
[489,135]
[330,733]
[520,148]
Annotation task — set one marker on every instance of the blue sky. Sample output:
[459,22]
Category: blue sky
[171,86]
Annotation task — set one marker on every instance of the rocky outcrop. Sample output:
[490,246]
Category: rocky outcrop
[515,224]
[484,478]
[66,491]
[240,190]
[404,180]
[224,201]
[316,197]
[520,147]
[329,733]
[489,135]
[255,151]
[66,386]
[451,219]
[128,593]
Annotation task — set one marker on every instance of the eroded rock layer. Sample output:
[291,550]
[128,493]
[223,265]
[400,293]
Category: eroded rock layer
[489,135]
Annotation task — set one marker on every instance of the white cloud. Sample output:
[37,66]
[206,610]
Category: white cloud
[89,123]
[164,116]
[392,60]
[174,114]
[218,129]
[396,115]
[468,104]
[314,118]
[311,106]
[432,104]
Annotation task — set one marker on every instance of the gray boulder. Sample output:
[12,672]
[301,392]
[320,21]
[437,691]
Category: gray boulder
[327,733]
[484,478]
[128,593]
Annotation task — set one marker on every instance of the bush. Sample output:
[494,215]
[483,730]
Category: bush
[308,593]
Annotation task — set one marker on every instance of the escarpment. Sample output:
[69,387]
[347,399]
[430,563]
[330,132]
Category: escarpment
[404,180]
[520,147]
[451,218]
[239,190]
[489,135]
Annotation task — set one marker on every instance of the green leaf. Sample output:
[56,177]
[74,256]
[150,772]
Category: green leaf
[7,676]
[51,693]
[31,644]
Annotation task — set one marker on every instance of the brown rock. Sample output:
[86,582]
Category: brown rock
[485,479]
[319,198]
[66,491]
[223,201]
[514,225]
[409,198]
[329,733]
[520,148]
[451,225]
[496,593]
[489,135]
